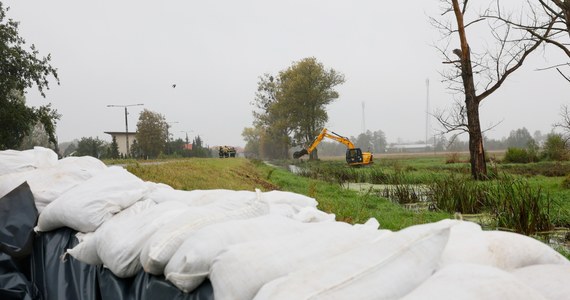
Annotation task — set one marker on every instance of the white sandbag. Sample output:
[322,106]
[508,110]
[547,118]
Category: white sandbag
[89,204]
[191,263]
[284,210]
[551,281]
[504,250]
[199,197]
[13,161]
[164,243]
[86,250]
[241,270]
[297,201]
[472,281]
[119,241]
[311,214]
[8,182]
[388,268]
[47,184]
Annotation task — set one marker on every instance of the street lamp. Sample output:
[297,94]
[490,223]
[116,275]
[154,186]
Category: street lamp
[126,121]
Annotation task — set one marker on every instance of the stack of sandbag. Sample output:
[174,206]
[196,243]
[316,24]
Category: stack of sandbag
[387,268]
[191,263]
[259,262]
[13,161]
[164,242]
[50,181]
[283,203]
[449,259]
[88,205]
[273,245]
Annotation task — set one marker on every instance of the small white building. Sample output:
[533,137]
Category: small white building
[121,138]
[409,148]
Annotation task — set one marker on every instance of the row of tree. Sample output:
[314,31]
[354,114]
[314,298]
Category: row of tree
[290,107]
[375,142]
[152,140]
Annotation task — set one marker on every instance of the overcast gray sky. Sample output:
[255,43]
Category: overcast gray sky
[127,52]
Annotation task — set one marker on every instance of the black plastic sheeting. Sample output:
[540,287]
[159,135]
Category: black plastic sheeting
[32,266]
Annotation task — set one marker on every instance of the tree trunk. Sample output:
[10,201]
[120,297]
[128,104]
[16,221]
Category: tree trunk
[476,151]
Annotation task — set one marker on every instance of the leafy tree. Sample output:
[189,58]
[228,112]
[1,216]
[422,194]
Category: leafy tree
[37,137]
[198,150]
[306,89]
[293,103]
[177,148]
[371,141]
[113,149]
[135,150]
[21,68]
[251,136]
[151,133]
[555,148]
[273,123]
[91,147]
[519,138]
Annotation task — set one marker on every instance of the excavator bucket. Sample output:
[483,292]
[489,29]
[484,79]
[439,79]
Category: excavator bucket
[298,154]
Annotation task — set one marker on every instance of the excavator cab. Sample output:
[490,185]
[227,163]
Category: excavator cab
[353,156]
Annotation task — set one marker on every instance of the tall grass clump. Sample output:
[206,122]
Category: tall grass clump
[458,194]
[404,193]
[517,205]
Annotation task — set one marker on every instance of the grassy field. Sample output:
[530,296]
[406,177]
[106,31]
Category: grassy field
[327,180]
[242,174]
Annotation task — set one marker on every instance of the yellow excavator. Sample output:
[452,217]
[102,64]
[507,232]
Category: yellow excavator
[354,156]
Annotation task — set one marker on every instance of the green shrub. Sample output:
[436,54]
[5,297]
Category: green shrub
[555,148]
[517,155]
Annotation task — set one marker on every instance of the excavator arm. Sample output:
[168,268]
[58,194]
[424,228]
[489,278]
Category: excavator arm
[354,156]
[324,134]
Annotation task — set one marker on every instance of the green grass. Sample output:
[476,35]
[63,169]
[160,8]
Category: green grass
[350,206]
[242,174]
[203,173]
[333,197]
[453,190]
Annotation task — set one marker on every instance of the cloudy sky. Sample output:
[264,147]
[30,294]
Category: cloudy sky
[128,52]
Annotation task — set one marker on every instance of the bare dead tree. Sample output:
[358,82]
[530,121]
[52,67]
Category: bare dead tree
[542,13]
[477,74]
[564,124]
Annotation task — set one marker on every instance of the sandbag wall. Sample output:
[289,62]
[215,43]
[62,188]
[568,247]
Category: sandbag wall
[102,233]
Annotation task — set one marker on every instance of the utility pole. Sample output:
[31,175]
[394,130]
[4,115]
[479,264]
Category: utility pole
[168,136]
[126,121]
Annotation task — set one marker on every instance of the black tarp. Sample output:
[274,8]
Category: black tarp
[32,266]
